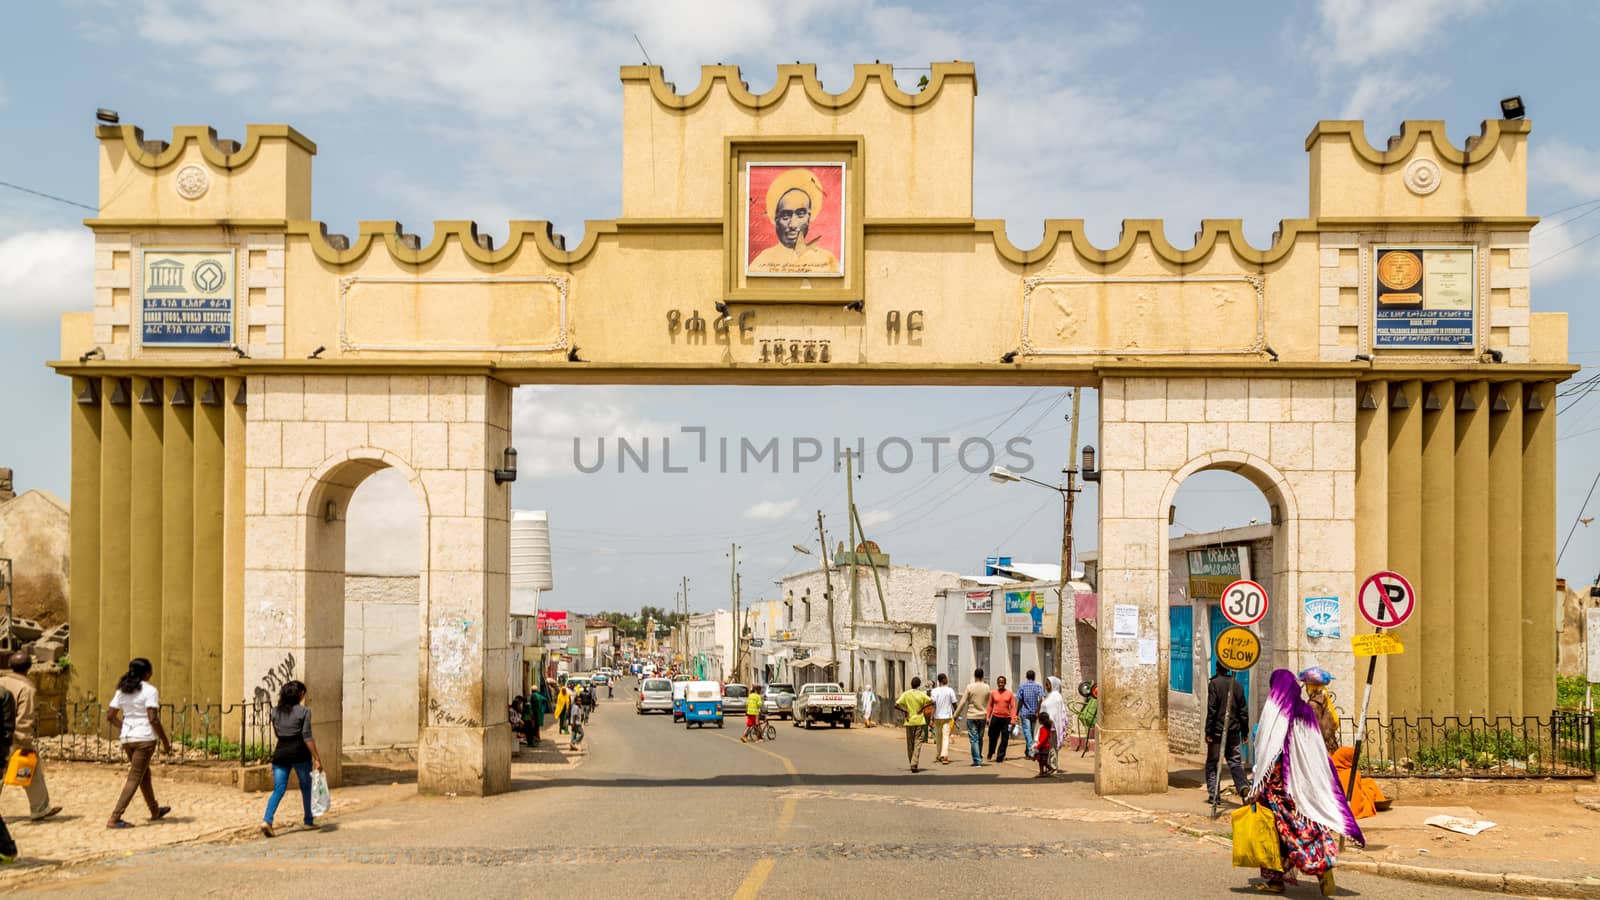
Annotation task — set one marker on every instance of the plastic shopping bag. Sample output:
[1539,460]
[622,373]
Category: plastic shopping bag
[19,771]
[1255,838]
[321,799]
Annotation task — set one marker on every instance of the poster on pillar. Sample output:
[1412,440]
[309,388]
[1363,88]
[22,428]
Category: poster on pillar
[1424,297]
[1026,613]
[186,298]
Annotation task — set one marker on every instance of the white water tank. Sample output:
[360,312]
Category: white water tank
[530,560]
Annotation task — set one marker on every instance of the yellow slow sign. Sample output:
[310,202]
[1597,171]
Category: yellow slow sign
[1381,644]
[1238,648]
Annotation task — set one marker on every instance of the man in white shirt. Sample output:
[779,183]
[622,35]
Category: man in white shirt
[944,715]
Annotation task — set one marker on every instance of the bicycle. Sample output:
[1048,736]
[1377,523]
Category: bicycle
[1085,714]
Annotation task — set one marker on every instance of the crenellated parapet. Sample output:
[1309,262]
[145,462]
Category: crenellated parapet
[197,177]
[1420,173]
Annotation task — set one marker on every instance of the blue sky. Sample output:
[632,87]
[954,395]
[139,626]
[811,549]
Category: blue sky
[496,111]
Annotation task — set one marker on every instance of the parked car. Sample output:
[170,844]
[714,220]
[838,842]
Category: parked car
[655,695]
[824,701]
[734,697]
[777,700]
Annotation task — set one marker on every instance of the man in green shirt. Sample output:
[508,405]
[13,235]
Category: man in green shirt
[915,704]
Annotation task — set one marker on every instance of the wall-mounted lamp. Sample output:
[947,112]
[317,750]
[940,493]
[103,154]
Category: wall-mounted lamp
[1277,514]
[1008,356]
[1172,515]
[509,473]
[96,353]
[1361,357]
[240,352]
[107,116]
[1272,355]
[1512,108]
[1089,471]
[856,305]
[1494,355]
[317,353]
[330,513]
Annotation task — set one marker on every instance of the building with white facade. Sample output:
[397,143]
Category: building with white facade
[863,646]
[1012,627]
[711,645]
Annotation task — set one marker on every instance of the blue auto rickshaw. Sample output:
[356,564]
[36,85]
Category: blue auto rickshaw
[679,689]
[702,703]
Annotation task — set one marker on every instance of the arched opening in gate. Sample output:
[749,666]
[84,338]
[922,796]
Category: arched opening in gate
[363,630]
[382,599]
[1228,520]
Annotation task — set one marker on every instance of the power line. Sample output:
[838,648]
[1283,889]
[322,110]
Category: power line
[18,187]
[1567,249]
[1576,518]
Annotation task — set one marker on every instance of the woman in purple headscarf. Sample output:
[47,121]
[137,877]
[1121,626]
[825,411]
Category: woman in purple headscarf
[1296,780]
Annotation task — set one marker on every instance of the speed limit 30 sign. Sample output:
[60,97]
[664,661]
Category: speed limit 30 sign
[1244,603]
[1386,599]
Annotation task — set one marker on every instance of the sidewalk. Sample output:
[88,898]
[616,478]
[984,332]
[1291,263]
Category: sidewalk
[1546,839]
[200,811]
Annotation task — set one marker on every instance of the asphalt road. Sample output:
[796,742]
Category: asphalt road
[660,810]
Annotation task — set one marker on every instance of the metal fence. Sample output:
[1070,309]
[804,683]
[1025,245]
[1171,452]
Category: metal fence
[201,733]
[1561,745]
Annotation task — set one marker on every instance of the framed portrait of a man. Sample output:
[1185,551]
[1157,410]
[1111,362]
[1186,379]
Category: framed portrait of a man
[794,214]
[794,222]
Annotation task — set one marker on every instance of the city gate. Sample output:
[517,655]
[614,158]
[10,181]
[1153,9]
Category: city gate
[1373,371]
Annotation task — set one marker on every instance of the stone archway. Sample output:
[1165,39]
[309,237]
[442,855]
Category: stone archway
[313,440]
[1293,439]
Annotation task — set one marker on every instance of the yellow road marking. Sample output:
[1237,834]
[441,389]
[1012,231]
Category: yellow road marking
[753,882]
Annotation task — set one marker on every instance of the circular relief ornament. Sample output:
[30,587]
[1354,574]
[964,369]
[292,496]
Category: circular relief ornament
[191,182]
[1399,270]
[1422,177]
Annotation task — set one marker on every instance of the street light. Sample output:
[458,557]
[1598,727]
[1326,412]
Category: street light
[800,549]
[1002,475]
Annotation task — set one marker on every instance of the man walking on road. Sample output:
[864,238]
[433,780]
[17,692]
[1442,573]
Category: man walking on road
[915,704]
[16,681]
[1029,696]
[974,707]
[1225,694]
[944,715]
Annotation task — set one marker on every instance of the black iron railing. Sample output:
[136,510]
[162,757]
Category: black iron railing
[239,733]
[1561,745]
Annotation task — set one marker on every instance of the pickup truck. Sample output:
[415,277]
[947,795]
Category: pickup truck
[824,702]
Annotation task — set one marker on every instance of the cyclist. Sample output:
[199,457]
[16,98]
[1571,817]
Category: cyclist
[753,724]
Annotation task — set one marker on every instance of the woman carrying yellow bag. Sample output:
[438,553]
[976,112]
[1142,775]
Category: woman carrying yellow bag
[1255,838]
[1295,781]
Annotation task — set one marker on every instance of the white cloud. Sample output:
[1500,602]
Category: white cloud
[546,421]
[1356,32]
[1559,251]
[46,273]
[1574,169]
[772,509]
[876,517]
[1387,96]
[383,527]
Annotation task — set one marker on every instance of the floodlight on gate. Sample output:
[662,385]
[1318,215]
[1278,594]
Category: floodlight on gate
[107,116]
[1512,108]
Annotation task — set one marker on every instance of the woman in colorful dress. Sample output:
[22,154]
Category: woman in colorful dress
[1295,779]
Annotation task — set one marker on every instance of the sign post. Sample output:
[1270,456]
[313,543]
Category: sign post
[1237,648]
[1244,602]
[1386,600]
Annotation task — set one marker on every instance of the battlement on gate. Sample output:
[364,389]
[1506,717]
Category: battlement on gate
[267,178]
[1420,173]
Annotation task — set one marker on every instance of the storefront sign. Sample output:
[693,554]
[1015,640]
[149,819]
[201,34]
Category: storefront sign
[1322,617]
[1026,613]
[1213,568]
[980,602]
[187,298]
[552,621]
[1424,296]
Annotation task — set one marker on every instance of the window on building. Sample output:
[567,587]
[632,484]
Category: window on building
[980,657]
[1047,658]
[807,600]
[952,662]
[1014,645]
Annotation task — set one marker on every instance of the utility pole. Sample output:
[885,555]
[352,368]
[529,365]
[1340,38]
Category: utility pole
[855,606]
[1067,498]
[883,605]
[738,628]
[733,593]
[683,622]
[827,579]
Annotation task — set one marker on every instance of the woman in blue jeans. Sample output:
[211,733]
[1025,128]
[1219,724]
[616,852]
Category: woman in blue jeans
[291,722]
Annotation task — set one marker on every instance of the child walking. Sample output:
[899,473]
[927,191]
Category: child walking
[1045,743]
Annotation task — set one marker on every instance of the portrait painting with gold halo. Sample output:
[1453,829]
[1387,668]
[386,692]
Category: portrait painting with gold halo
[794,220]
